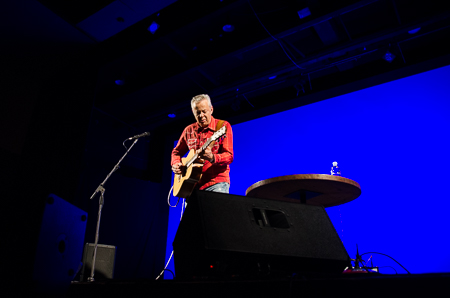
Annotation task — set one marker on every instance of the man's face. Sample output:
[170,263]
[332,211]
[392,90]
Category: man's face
[202,113]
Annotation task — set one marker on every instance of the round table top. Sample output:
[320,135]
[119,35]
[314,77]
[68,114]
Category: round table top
[316,189]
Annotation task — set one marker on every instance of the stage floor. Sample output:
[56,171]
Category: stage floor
[380,285]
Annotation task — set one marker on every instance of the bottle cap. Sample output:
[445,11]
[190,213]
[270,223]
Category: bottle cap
[334,163]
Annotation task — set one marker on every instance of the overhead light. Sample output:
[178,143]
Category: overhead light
[119,82]
[304,13]
[172,115]
[389,57]
[228,28]
[414,31]
[236,105]
[153,27]
[299,87]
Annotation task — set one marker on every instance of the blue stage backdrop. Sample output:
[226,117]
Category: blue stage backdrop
[393,139]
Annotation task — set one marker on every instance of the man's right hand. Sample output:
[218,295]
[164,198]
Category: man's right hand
[177,168]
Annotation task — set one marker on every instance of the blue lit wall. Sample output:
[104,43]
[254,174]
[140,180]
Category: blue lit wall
[175,214]
[393,139]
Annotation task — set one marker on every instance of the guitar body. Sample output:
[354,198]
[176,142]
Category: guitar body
[184,183]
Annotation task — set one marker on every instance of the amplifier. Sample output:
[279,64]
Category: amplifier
[104,262]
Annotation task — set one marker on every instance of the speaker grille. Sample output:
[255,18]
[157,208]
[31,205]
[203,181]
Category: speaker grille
[104,262]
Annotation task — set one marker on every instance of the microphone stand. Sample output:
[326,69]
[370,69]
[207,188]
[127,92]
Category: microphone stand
[101,189]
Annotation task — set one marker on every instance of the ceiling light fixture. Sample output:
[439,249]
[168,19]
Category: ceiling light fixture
[120,82]
[389,57]
[153,27]
[228,28]
[414,31]
[236,105]
[304,13]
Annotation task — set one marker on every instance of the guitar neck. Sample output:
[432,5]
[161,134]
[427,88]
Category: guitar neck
[216,135]
[206,145]
[191,161]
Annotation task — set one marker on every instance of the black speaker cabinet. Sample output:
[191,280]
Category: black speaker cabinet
[60,245]
[223,235]
[104,262]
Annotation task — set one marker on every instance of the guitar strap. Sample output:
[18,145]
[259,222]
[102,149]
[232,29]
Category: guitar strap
[218,126]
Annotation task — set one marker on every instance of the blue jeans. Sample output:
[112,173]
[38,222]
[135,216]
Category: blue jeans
[219,187]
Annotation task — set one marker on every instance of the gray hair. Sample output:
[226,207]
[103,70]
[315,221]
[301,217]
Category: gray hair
[198,98]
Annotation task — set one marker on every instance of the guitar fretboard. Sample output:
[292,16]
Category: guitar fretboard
[216,135]
[189,163]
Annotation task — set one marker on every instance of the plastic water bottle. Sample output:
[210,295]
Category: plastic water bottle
[335,171]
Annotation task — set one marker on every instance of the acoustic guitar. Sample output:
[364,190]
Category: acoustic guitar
[184,183]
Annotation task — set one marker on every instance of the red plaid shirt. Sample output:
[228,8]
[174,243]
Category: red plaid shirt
[193,137]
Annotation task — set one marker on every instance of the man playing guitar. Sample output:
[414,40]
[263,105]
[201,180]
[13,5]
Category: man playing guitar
[216,157]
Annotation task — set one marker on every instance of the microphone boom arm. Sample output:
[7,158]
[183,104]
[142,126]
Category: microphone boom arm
[101,189]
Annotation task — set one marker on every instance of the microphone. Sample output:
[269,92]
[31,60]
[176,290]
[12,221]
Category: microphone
[145,134]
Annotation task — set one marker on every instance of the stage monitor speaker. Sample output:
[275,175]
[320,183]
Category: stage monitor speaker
[104,262]
[60,245]
[223,235]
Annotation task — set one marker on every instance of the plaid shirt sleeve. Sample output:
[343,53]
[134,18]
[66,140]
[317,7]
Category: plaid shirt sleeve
[180,149]
[225,157]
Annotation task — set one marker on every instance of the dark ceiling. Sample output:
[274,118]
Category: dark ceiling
[273,55]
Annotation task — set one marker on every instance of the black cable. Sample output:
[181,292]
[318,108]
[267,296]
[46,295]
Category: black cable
[173,275]
[388,257]
[389,267]
[167,264]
